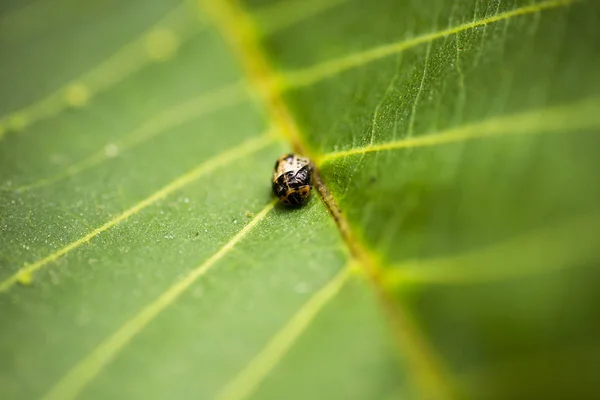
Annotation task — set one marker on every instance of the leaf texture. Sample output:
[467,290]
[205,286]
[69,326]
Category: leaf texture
[449,248]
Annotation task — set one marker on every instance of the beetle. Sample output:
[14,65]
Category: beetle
[292,179]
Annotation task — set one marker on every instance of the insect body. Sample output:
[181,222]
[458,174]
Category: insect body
[292,179]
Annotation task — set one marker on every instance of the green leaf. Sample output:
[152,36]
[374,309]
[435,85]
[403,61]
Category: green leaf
[448,250]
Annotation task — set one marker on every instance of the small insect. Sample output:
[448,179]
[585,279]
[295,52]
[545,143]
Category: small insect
[292,179]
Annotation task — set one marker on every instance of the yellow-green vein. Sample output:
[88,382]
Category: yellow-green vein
[564,244]
[83,372]
[247,147]
[239,30]
[285,13]
[250,378]
[331,68]
[564,119]
[158,43]
[177,115]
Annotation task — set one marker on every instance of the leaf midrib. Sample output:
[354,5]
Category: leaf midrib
[237,27]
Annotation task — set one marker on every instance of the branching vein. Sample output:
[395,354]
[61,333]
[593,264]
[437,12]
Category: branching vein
[252,145]
[413,112]
[332,68]
[288,12]
[177,115]
[497,261]
[565,119]
[249,379]
[239,30]
[157,43]
[81,374]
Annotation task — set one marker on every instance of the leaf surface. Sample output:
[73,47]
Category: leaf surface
[448,250]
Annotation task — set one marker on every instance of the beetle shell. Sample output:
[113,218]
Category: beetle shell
[292,179]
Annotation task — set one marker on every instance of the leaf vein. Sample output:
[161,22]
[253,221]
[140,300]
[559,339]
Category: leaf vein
[131,57]
[285,13]
[179,114]
[75,381]
[327,69]
[493,262]
[24,274]
[240,31]
[413,112]
[560,119]
[250,378]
